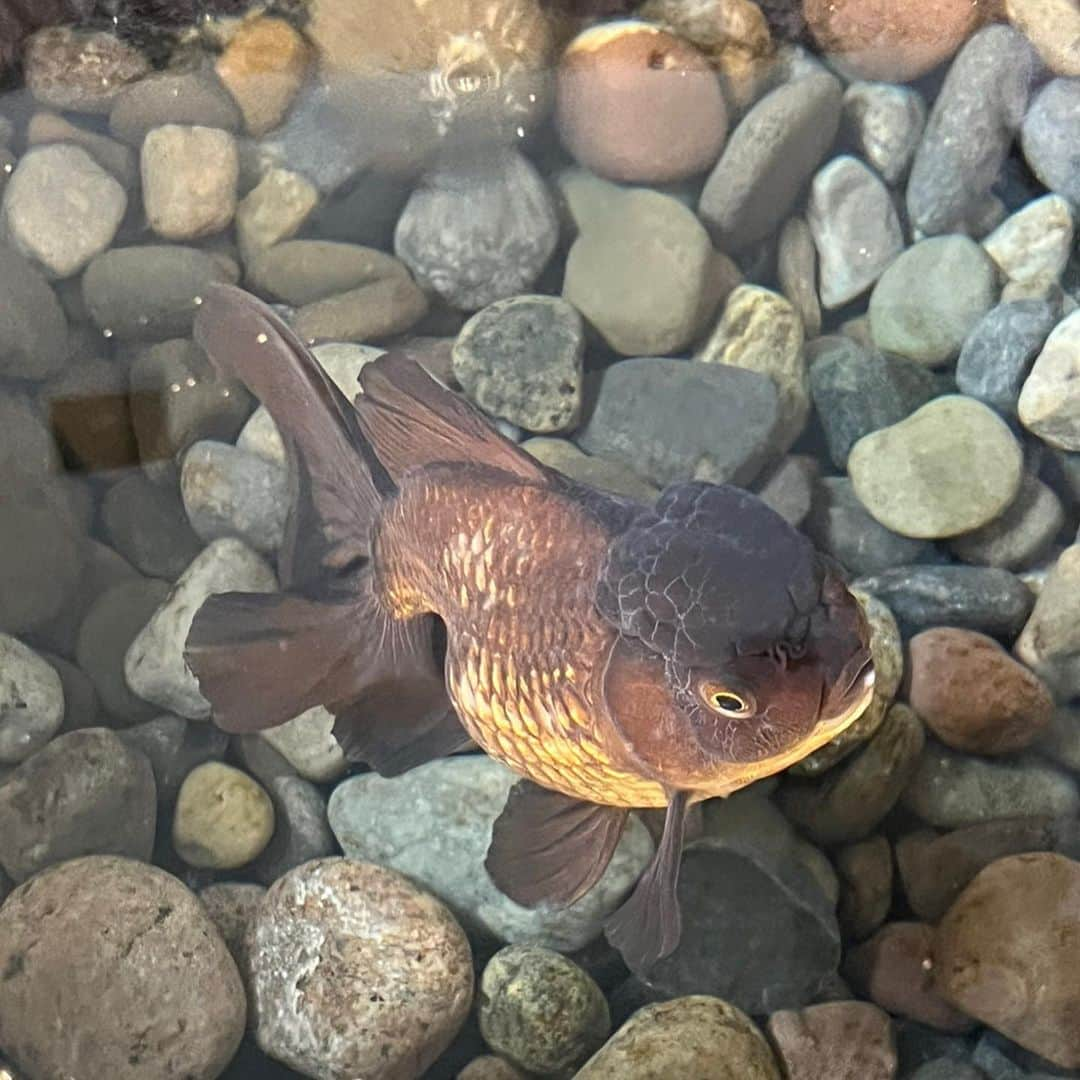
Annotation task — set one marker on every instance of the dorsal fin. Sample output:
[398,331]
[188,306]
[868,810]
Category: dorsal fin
[410,420]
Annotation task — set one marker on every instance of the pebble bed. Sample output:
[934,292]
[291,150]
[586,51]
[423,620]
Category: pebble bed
[821,249]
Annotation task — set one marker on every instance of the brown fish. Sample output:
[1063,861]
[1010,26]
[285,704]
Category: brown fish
[614,654]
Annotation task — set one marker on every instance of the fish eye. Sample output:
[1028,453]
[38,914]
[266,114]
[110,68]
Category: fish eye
[727,701]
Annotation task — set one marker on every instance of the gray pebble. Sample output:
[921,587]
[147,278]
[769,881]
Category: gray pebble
[673,420]
[301,830]
[389,306]
[1051,134]
[998,353]
[29,456]
[31,702]
[930,298]
[884,124]
[768,157]
[174,747]
[946,1069]
[33,327]
[148,292]
[855,228]
[857,390]
[230,492]
[81,706]
[365,213]
[971,128]
[563,455]
[478,233]
[1032,246]
[950,790]
[986,599]
[86,793]
[46,204]
[258,756]
[521,359]
[796,271]
[106,633]
[789,487]
[118,160]
[173,98]
[1063,473]
[841,526]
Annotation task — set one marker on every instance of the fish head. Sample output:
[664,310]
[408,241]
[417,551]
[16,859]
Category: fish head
[740,649]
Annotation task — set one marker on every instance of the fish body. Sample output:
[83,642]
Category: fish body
[615,655]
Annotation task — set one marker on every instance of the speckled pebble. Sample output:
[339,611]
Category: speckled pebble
[841,1040]
[884,123]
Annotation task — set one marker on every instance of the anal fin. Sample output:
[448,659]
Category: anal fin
[549,848]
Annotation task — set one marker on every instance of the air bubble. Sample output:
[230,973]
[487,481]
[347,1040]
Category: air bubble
[262,339]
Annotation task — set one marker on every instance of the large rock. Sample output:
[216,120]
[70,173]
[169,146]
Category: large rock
[156,985]
[434,824]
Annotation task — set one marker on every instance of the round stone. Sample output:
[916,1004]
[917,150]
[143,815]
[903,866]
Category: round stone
[876,39]
[521,360]
[31,701]
[930,298]
[1053,27]
[637,104]
[223,818]
[386,972]
[950,467]
[61,208]
[1011,940]
[33,327]
[1049,404]
[156,984]
[841,1040]
[540,1010]
[1049,136]
[885,123]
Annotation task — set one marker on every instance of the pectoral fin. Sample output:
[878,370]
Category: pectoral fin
[549,848]
[648,926]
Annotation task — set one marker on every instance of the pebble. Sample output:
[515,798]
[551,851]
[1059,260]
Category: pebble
[690,1036]
[80,70]
[1062,739]
[931,297]
[935,868]
[307,743]
[971,127]
[478,232]
[843,1040]
[1049,404]
[858,390]
[175,746]
[1021,535]
[230,492]
[386,971]
[840,525]
[46,128]
[148,292]
[599,472]
[895,969]
[177,398]
[379,310]
[47,208]
[187,98]
[789,487]
[189,178]
[796,272]
[637,104]
[946,1068]
[1053,27]
[540,1011]
[434,824]
[1049,643]
[950,467]
[1033,244]
[855,228]
[154,666]
[107,631]
[274,210]
[489,1067]
[301,831]
[84,793]
[865,870]
[672,420]
[29,455]
[855,797]
[232,907]
[81,706]
[31,701]
[164,1000]
[950,789]
[760,331]
[1049,134]
[884,124]
[640,274]
[1008,949]
[992,601]
[998,353]
[33,327]
[521,359]
[769,156]
[263,67]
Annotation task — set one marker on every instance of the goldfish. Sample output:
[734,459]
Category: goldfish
[441,589]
